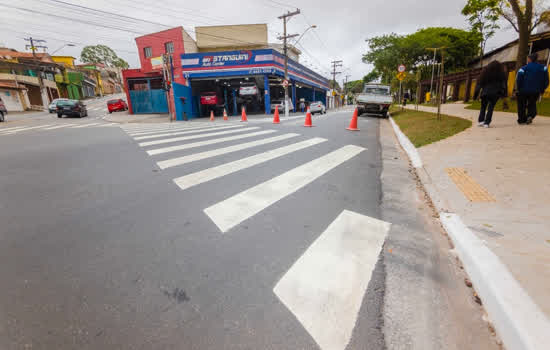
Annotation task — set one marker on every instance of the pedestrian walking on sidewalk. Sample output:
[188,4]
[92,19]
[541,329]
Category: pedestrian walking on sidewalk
[531,81]
[492,86]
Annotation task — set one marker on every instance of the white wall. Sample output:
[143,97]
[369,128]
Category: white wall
[11,100]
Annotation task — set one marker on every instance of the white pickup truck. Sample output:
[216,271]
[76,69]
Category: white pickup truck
[375,99]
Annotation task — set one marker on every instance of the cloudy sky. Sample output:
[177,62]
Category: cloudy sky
[342,26]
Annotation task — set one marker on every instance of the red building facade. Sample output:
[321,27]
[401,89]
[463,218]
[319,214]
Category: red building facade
[143,85]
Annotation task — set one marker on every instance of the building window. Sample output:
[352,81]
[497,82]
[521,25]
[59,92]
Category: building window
[169,47]
[148,52]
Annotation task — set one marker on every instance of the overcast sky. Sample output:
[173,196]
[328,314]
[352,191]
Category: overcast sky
[342,26]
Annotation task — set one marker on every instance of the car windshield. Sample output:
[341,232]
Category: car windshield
[112,101]
[376,90]
[66,103]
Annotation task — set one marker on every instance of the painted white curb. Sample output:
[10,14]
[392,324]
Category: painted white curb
[518,320]
[407,145]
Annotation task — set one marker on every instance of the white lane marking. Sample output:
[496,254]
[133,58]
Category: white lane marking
[234,210]
[325,287]
[85,125]
[108,124]
[190,180]
[217,152]
[206,143]
[58,126]
[12,128]
[28,128]
[192,137]
[178,128]
[177,132]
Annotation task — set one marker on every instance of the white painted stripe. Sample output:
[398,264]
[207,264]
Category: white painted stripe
[12,128]
[58,126]
[175,133]
[407,145]
[28,128]
[85,125]
[211,126]
[325,287]
[108,124]
[242,206]
[518,320]
[206,143]
[210,174]
[220,151]
[192,137]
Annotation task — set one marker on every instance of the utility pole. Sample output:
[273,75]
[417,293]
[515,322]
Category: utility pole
[434,49]
[441,92]
[33,47]
[285,38]
[335,64]
[346,89]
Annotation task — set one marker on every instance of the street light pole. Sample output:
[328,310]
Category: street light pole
[433,70]
[285,38]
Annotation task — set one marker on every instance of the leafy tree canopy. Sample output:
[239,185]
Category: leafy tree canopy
[354,86]
[102,54]
[388,51]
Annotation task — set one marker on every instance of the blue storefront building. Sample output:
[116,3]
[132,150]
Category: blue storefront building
[225,73]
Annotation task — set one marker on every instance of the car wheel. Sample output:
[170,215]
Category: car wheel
[110,112]
[59,115]
[1,116]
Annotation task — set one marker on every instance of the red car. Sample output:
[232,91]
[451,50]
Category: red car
[117,105]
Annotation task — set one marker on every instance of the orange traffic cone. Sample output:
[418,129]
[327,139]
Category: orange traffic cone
[225,115]
[211,116]
[243,116]
[308,119]
[276,119]
[353,123]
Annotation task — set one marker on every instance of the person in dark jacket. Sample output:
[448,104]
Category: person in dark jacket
[531,80]
[492,85]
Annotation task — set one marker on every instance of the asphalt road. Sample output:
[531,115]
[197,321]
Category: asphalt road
[222,235]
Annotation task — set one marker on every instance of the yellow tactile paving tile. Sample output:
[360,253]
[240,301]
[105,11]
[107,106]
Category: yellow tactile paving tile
[471,189]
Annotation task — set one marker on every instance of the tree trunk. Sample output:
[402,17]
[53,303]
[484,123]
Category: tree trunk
[523,43]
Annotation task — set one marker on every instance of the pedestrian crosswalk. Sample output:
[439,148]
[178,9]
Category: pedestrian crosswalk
[251,146]
[50,127]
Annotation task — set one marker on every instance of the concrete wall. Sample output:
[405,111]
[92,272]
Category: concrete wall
[11,99]
[232,36]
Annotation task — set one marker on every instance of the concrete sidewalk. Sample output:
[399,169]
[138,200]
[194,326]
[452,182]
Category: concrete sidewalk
[511,162]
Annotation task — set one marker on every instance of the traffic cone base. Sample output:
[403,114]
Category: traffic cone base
[276,119]
[353,123]
[225,115]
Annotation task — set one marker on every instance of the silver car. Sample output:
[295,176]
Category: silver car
[317,107]
[281,105]
[52,107]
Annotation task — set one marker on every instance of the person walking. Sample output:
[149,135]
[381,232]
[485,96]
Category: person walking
[531,82]
[492,86]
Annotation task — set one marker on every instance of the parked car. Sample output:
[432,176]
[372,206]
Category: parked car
[3,110]
[317,107]
[211,101]
[71,108]
[117,105]
[281,105]
[52,107]
[375,98]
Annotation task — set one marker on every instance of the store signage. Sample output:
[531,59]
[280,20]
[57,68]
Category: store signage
[232,58]
[156,62]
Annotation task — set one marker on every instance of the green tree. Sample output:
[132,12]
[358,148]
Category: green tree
[102,54]
[483,16]
[524,16]
[354,86]
[371,76]
[388,51]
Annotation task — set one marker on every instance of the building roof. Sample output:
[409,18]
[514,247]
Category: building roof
[12,53]
[534,37]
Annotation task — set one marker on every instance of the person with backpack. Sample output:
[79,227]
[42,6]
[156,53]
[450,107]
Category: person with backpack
[491,86]
[531,82]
